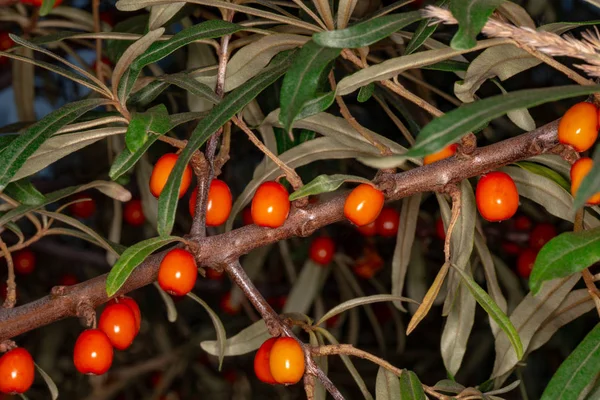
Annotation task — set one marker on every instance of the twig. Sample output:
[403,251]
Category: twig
[11,286]
[588,278]
[223,155]
[96,16]
[348,349]
[455,193]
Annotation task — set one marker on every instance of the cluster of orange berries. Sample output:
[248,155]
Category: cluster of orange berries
[118,326]
[279,361]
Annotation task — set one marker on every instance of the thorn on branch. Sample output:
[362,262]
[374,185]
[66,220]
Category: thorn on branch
[467,146]
[86,313]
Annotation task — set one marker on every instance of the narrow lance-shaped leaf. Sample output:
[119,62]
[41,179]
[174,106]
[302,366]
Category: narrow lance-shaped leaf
[347,305]
[219,115]
[24,192]
[590,184]
[387,385]
[30,140]
[190,84]
[472,16]
[423,32]
[366,33]
[247,340]
[366,92]
[566,254]
[410,386]
[221,335]
[450,127]
[301,83]
[577,371]
[49,382]
[131,258]
[154,121]
[546,172]
[325,184]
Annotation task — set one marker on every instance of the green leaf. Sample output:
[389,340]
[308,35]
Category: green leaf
[247,340]
[24,192]
[472,16]
[360,301]
[159,50]
[577,371]
[126,159]
[31,139]
[545,172]
[316,105]
[450,127]
[148,93]
[448,66]
[325,184]
[191,85]
[366,33]
[49,382]
[47,6]
[301,83]
[410,386]
[566,254]
[221,335]
[492,309]
[218,116]
[590,184]
[423,32]
[387,385]
[366,92]
[131,258]
[154,121]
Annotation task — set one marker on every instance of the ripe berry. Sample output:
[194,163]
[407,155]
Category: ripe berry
[497,197]
[511,248]
[369,264]
[118,322]
[177,273]
[541,234]
[104,64]
[439,229]
[525,262]
[579,171]
[213,274]
[367,230]
[270,205]
[262,369]
[286,361]
[93,353]
[162,170]
[133,213]
[24,261]
[363,204]
[322,250]
[228,307]
[16,371]
[247,216]
[68,280]
[523,223]
[85,208]
[5,44]
[219,203]
[38,3]
[446,152]
[579,126]
[277,302]
[133,306]
[387,222]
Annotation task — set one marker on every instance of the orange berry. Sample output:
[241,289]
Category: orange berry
[369,264]
[363,204]
[177,272]
[211,273]
[227,306]
[262,369]
[322,250]
[277,302]
[24,261]
[218,207]
[286,361]
[439,229]
[579,126]
[368,229]
[541,234]
[162,170]
[16,371]
[193,201]
[93,352]
[85,208]
[118,323]
[387,222]
[133,213]
[68,280]
[446,152]
[270,205]
[497,197]
[525,262]
[579,171]
[247,216]
[523,223]
[133,306]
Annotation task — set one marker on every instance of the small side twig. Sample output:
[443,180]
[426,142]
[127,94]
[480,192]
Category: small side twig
[588,278]
[11,286]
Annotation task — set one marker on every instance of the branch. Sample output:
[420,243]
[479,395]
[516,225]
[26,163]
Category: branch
[216,251]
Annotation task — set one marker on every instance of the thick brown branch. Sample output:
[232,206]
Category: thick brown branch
[228,247]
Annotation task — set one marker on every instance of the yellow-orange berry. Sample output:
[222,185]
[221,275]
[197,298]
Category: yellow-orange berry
[262,369]
[177,272]
[579,126]
[446,152]
[363,204]
[16,371]
[579,171]
[286,361]
[497,196]
[93,354]
[162,170]
[270,205]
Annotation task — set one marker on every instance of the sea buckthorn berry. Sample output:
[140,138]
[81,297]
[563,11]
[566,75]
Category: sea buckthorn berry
[262,369]
[367,230]
[579,126]
[277,302]
[68,280]
[439,229]
[24,261]
[228,307]
[16,371]
[162,170]
[322,250]
[213,274]
[133,213]
[523,223]
[270,205]
[286,361]
[369,264]
[133,306]
[5,44]
[446,152]
[525,262]
[541,234]
[177,272]
[387,222]
[247,216]
[38,3]
[511,248]
[363,204]
[579,171]
[84,208]
[497,197]
[118,322]
[219,202]
[93,354]
[193,200]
